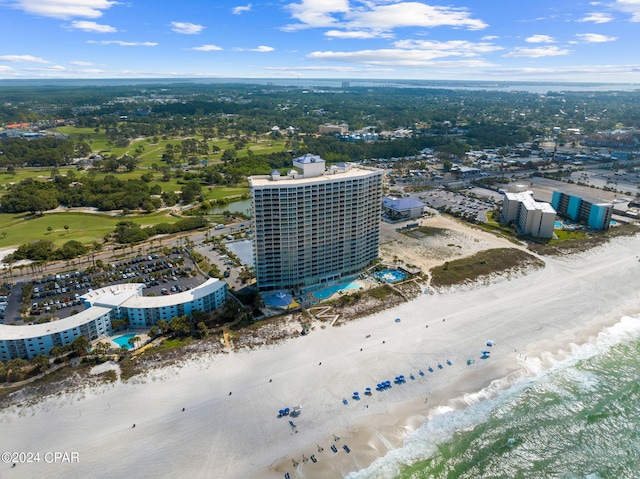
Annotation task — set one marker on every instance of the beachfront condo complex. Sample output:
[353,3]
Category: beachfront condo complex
[314,224]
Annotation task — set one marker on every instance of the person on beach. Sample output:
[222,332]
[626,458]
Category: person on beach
[133,426]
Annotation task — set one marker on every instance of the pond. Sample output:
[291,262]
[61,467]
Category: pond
[241,206]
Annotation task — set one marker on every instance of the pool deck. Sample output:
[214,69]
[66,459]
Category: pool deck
[143,334]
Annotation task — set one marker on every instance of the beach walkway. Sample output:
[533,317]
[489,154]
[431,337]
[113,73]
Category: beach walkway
[225,335]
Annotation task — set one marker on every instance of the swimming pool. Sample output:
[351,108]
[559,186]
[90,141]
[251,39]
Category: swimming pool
[557,225]
[123,340]
[390,275]
[330,290]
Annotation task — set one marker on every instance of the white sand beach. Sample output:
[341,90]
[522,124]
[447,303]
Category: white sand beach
[531,318]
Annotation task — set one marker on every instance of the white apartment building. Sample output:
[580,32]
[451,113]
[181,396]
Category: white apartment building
[531,217]
[315,226]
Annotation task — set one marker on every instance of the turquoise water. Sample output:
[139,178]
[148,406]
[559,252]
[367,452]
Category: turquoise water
[557,224]
[327,292]
[580,419]
[123,340]
[390,275]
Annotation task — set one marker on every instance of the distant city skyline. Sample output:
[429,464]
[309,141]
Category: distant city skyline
[367,39]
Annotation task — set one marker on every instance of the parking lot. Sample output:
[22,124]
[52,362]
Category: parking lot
[58,296]
[462,202]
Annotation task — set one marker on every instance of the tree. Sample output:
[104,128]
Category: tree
[202,329]
[16,367]
[80,345]
[100,350]
[49,229]
[180,325]
[58,351]
[66,228]
[41,362]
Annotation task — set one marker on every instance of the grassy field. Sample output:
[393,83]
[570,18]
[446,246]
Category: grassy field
[83,227]
[99,143]
[173,184]
[481,265]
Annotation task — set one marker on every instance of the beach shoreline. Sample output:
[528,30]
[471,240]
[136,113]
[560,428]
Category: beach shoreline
[535,320]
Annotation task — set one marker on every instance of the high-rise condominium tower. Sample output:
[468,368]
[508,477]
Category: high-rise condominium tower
[314,226]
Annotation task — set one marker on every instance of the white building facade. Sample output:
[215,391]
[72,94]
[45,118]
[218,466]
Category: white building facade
[102,307]
[531,217]
[316,226]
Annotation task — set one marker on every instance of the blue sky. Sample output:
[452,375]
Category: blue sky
[538,40]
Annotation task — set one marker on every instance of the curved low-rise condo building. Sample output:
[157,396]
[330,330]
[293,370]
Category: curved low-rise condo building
[102,307]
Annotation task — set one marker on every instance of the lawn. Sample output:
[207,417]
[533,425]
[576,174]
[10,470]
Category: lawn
[99,143]
[83,227]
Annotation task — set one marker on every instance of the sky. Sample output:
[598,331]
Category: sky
[491,40]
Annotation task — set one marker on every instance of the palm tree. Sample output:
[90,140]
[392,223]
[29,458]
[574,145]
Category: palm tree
[80,345]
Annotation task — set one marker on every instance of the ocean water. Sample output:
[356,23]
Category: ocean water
[578,419]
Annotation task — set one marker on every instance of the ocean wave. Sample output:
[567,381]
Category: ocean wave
[468,411]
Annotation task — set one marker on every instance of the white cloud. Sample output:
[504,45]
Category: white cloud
[450,48]
[595,38]
[262,49]
[186,28]
[412,14]
[398,57]
[540,39]
[357,34]
[94,27]
[596,17]
[378,15]
[80,63]
[22,59]
[207,48]
[487,38]
[5,69]
[628,6]
[239,10]
[64,8]
[124,44]
[537,52]
[316,13]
